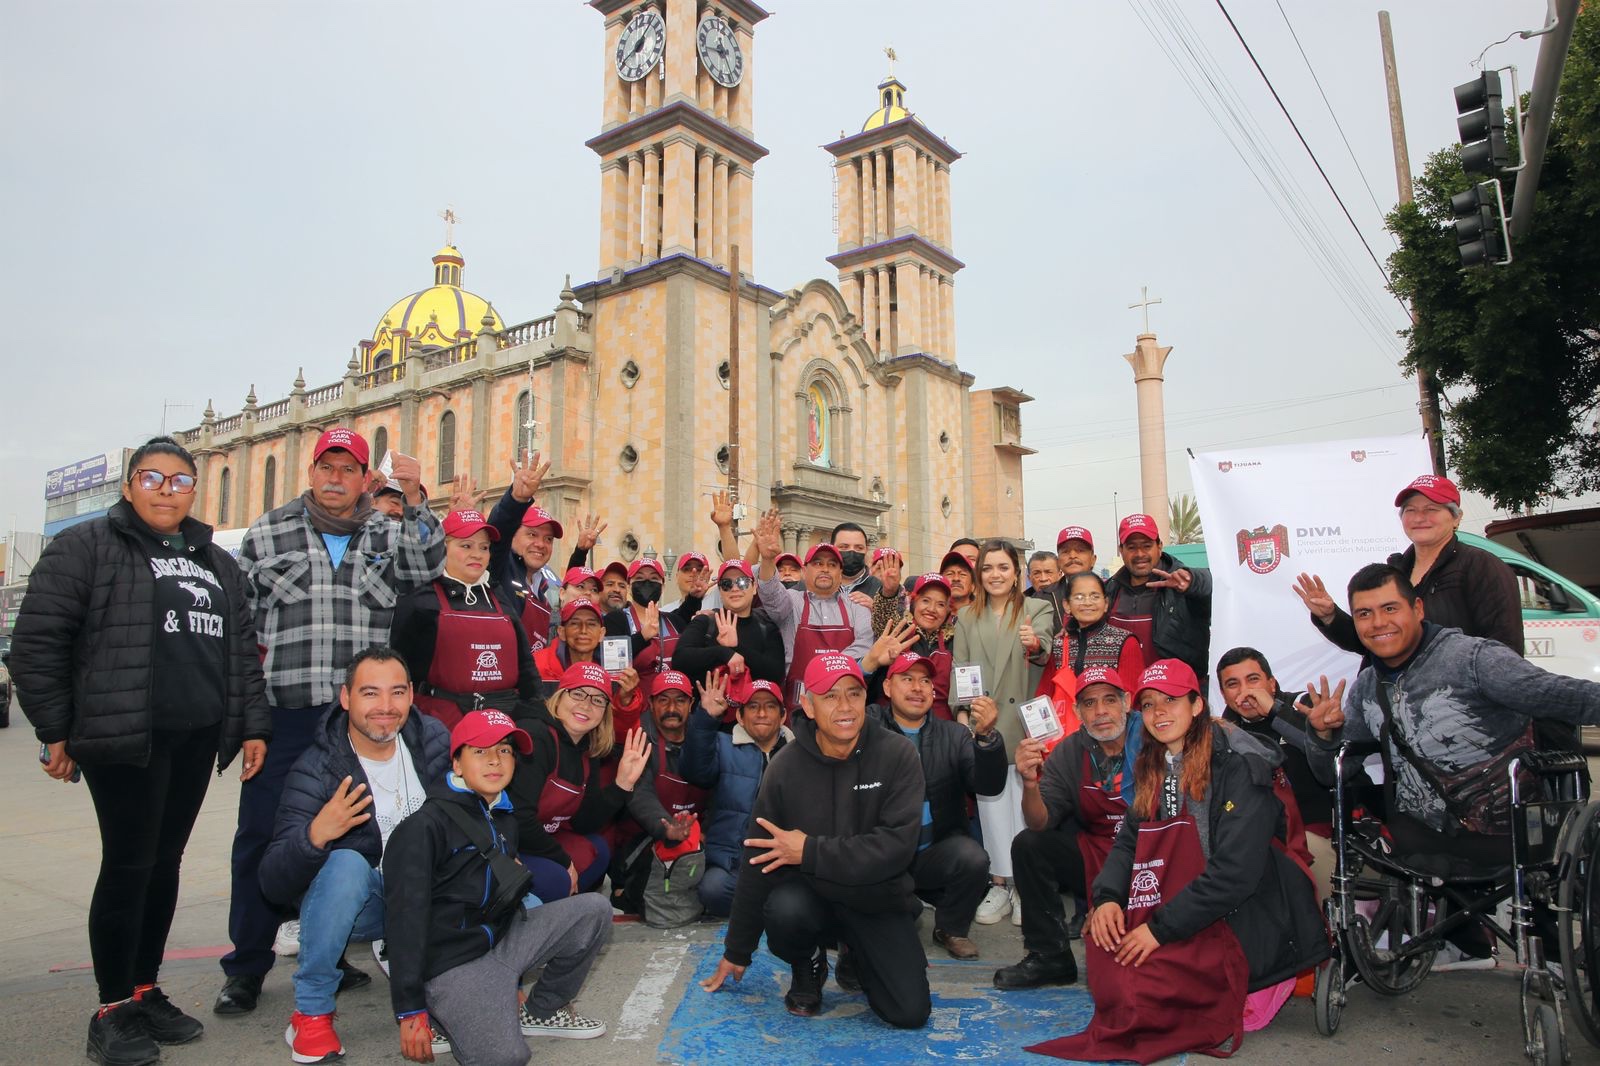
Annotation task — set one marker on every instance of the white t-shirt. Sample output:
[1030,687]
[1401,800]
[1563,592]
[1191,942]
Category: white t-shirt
[396,789]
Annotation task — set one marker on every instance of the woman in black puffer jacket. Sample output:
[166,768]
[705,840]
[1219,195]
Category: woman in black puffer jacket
[134,656]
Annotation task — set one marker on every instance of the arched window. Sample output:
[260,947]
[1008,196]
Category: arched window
[380,445]
[447,450]
[524,423]
[818,426]
[269,483]
[224,497]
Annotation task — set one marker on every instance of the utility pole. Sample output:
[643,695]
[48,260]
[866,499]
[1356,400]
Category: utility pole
[1541,109]
[1427,384]
[733,382]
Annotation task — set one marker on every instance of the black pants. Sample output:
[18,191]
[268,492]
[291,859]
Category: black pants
[253,920]
[887,951]
[1044,864]
[953,875]
[146,814]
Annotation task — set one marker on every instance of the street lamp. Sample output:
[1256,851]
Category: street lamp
[671,559]
[650,553]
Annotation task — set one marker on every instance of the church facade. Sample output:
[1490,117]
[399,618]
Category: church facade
[674,373]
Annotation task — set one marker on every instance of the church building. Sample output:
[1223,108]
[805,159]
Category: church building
[675,372]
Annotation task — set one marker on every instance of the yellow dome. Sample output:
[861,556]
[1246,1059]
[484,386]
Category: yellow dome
[437,317]
[891,104]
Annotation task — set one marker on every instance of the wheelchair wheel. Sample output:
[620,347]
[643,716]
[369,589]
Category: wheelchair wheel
[1578,920]
[1377,966]
[1327,996]
[1549,1047]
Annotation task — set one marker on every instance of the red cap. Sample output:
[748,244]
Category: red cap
[582,603]
[579,574]
[1170,676]
[817,549]
[907,660]
[1074,533]
[479,729]
[1137,523]
[735,564]
[585,675]
[644,564]
[347,439]
[1101,675]
[1436,488]
[619,566]
[464,524]
[954,559]
[538,516]
[791,556]
[828,669]
[930,579]
[693,557]
[672,680]
[884,553]
[762,686]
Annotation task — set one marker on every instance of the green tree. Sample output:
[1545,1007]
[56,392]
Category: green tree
[1517,347]
[1183,520]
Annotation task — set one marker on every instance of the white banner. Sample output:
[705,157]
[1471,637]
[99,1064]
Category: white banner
[1273,513]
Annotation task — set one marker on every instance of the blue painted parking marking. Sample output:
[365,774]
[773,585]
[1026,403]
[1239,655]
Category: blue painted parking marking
[972,1020]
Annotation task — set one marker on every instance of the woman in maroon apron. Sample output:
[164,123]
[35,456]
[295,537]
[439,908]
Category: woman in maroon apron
[464,644]
[1194,905]
[574,783]
[930,610]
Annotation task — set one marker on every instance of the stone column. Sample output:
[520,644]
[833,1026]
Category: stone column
[719,196]
[1148,361]
[905,190]
[703,207]
[613,213]
[652,203]
[908,308]
[633,235]
[943,173]
[678,178]
[869,306]
[846,190]
[740,211]
[880,195]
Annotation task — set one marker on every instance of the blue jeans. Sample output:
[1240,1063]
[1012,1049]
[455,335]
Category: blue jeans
[344,903]
[716,890]
[551,880]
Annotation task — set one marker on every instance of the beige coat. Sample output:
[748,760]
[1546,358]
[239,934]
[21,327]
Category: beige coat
[1008,677]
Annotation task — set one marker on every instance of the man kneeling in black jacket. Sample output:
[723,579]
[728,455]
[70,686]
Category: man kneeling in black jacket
[951,869]
[841,808]
[459,936]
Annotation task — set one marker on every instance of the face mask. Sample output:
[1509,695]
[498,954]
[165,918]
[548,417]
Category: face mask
[792,584]
[645,592]
[854,562]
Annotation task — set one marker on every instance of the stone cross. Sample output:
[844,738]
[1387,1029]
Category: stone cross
[1145,302]
[892,57]
[450,219]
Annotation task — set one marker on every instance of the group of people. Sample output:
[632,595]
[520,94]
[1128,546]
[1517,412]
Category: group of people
[452,752]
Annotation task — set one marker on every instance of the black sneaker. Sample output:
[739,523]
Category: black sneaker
[844,970]
[165,1023]
[117,1038]
[1036,969]
[351,978]
[1075,925]
[804,997]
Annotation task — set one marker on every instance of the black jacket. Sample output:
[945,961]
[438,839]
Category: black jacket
[1466,588]
[434,886]
[955,764]
[1285,729]
[861,815]
[1181,627]
[81,649]
[416,629]
[698,652]
[555,753]
[1268,901]
[291,861]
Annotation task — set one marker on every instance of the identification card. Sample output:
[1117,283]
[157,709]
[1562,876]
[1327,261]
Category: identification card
[616,654]
[966,682]
[1039,719]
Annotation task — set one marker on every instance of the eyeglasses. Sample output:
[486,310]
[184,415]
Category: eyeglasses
[1086,597]
[728,584]
[152,480]
[595,699]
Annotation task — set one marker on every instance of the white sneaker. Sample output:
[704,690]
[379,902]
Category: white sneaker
[1450,958]
[380,952]
[287,942]
[565,1022]
[1016,908]
[441,1039]
[995,906]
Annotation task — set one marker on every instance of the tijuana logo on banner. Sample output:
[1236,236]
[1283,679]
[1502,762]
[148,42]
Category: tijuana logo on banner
[1358,456]
[1262,549]
[1224,466]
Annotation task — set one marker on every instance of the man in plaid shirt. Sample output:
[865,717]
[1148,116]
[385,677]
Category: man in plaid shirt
[323,573]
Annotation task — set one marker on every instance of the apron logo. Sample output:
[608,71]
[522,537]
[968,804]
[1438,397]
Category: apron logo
[488,660]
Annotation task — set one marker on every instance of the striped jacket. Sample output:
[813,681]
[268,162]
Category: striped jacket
[312,619]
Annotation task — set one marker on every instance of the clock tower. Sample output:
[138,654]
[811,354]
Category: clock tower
[677,165]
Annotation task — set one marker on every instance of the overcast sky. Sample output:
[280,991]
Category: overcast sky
[202,195]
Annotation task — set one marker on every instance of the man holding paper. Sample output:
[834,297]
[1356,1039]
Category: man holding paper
[951,869]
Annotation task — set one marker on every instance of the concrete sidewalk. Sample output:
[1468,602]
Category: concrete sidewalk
[51,856]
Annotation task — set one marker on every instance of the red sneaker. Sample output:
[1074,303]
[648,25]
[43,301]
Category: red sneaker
[311,1038]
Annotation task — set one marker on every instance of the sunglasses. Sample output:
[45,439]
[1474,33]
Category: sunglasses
[152,480]
[728,584]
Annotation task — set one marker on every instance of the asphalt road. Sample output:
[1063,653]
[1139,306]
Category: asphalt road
[642,986]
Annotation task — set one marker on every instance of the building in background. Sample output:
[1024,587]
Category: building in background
[84,490]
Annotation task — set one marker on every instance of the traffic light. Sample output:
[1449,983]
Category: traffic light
[1481,121]
[1480,216]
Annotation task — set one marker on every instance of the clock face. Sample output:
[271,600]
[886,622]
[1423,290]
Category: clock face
[643,41]
[719,51]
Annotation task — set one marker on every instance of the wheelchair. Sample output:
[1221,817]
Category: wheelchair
[1387,918]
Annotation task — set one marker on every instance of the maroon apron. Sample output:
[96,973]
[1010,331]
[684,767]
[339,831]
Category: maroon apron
[810,641]
[558,804]
[536,616]
[677,796]
[474,654]
[1100,815]
[1188,995]
[940,658]
[657,655]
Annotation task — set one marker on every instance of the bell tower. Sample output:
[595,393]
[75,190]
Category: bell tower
[895,265]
